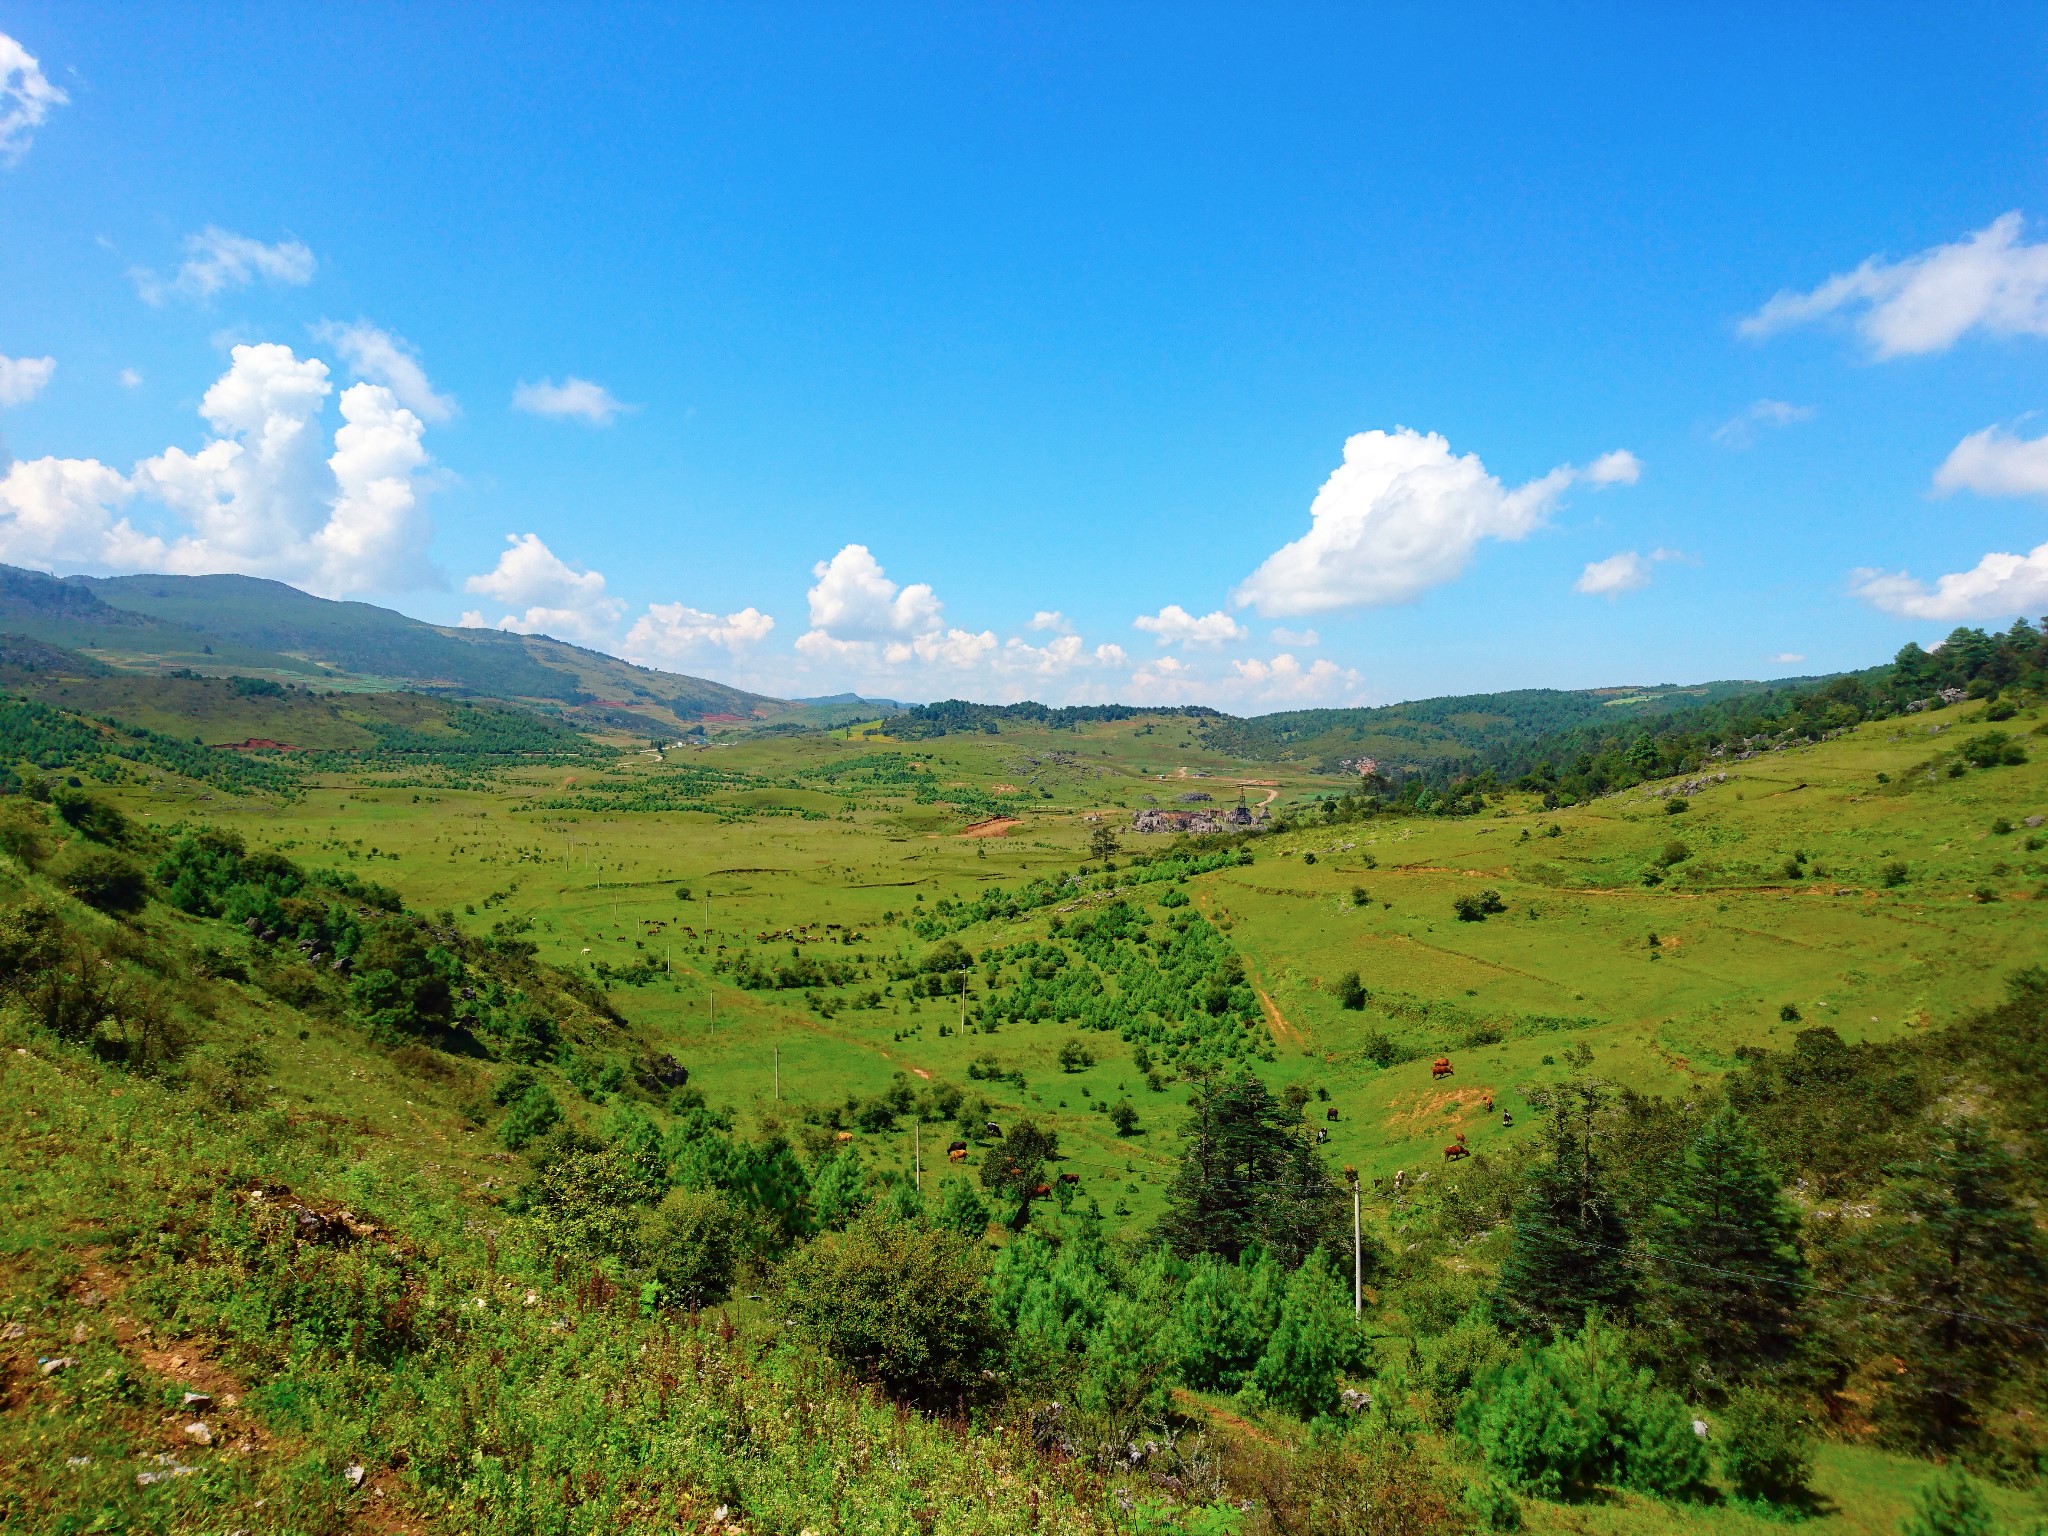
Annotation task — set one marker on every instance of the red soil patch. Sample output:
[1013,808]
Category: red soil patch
[995,826]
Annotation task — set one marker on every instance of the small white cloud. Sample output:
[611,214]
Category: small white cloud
[854,599]
[1403,514]
[573,397]
[1998,586]
[1619,467]
[26,97]
[1285,679]
[668,633]
[1991,280]
[390,360]
[1174,625]
[1788,658]
[1051,619]
[23,378]
[128,378]
[557,598]
[1625,572]
[1739,432]
[217,259]
[1995,463]
[1306,639]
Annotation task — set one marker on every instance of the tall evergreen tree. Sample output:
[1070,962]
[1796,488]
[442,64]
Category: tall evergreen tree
[1729,1275]
[1966,1272]
[1568,1253]
[1248,1174]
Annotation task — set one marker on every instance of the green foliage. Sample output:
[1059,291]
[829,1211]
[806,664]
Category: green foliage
[1351,992]
[1561,1419]
[1949,1504]
[1248,1174]
[1477,908]
[1314,1340]
[693,1243]
[1123,1115]
[533,1114]
[1075,1057]
[901,1304]
[838,1190]
[1766,1447]
[1568,1246]
[1224,1317]
[102,878]
[1015,1172]
[1991,749]
[963,1211]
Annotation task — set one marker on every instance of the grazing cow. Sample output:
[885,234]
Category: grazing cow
[1507,1118]
[1441,1067]
[1489,1103]
[1330,1113]
[957,1152]
[1070,1178]
[992,1128]
[1457,1149]
[1400,1178]
[1321,1135]
[844,1136]
[1043,1189]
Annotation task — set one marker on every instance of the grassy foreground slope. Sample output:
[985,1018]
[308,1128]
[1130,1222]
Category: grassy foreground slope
[791,920]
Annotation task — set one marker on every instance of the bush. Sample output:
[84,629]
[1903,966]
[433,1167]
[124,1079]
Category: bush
[1677,805]
[1893,874]
[534,1113]
[1315,1339]
[1675,852]
[692,1243]
[1124,1116]
[1948,1504]
[901,1304]
[1351,991]
[1476,909]
[1992,749]
[103,879]
[1766,1449]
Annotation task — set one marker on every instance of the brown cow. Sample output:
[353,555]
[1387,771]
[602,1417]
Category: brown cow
[1489,1103]
[1070,1178]
[1441,1067]
[1043,1189]
[957,1152]
[1457,1149]
[1330,1113]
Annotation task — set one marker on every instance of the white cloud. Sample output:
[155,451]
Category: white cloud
[1615,575]
[668,633]
[1740,432]
[1402,514]
[1788,658]
[1998,586]
[556,598]
[382,358]
[1284,679]
[217,259]
[854,599]
[128,378]
[26,97]
[1174,625]
[1625,572]
[1051,619]
[1618,467]
[573,397]
[263,496]
[1306,638]
[1995,463]
[23,378]
[1991,280]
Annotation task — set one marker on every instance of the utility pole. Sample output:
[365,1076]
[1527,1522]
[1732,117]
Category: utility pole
[963,1000]
[1357,1248]
[778,1074]
[917,1155]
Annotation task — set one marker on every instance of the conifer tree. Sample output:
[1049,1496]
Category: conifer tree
[1314,1340]
[1568,1253]
[1730,1277]
[1249,1175]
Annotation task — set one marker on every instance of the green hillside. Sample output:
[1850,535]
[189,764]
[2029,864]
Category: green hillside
[220,623]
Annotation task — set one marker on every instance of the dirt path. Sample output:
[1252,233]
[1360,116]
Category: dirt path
[1283,1031]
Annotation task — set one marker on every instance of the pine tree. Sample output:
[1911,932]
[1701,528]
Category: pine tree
[1249,1175]
[1730,1277]
[963,1210]
[1966,1266]
[1314,1340]
[1568,1252]
[1948,1504]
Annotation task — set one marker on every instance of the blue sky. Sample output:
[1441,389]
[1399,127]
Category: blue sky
[929,351]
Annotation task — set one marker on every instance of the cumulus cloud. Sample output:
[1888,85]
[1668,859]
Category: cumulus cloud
[1625,572]
[382,358]
[1286,679]
[1994,462]
[573,398]
[1998,586]
[1741,431]
[668,633]
[1991,281]
[1174,625]
[265,495]
[1618,467]
[217,259]
[1402,514]
[23,378]
[1305,638]
[555,598]
[26,97]
[854,600]
[1051,619]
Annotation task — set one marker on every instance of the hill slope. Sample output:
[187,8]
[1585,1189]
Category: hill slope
[219,623]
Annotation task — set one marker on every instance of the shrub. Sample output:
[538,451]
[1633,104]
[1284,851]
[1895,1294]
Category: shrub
[1675,852]
[1677,805]
[692,1243]
[1315,1339]
[1124,1116]
[1948,1504]
[1893,874]
[1075,1057]
[1361,897]
[963,1211]
[901,1304]
[1351,991]
[1992,749]
[103,879]
[534,1113]
[1766,1449]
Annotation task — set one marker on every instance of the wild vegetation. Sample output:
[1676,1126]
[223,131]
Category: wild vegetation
[510,1131]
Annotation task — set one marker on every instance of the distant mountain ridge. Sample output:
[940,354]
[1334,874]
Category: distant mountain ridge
[246,623]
